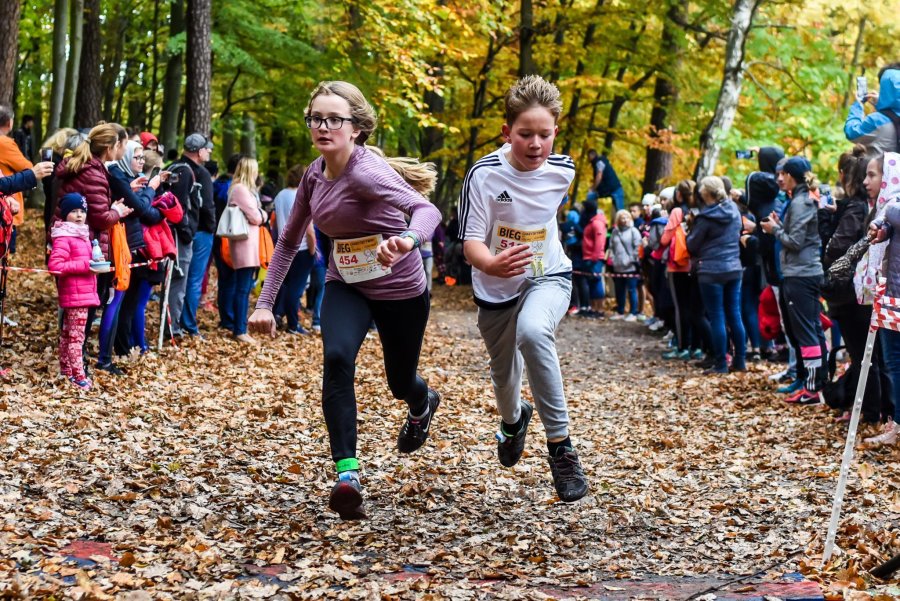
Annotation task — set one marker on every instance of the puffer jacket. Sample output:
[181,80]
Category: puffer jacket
[142,203]
[876,131]
[892,220]
[158,238]
[92,182]
[851,218]
[715,241]
[623,246]
[71,257]
[799,236]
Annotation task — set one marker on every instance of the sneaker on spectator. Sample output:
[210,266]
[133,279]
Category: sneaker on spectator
[657,326]
[631,317]
[698,355]
[9,322]
[780,376]
[617,317]
[676,354]
[669,336]
[790,388]
[82,383]
[572,311]
[804,397]
[888,436]
[642,318]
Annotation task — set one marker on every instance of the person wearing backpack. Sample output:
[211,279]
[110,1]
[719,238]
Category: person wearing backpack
[679,269]
[193,186]
[879,132]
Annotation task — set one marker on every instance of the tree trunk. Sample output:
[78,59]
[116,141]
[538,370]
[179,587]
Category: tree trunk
[90,92]
[659,154]
[154,78]
[278,159]
[526,39]
[9,42]
[60,28]
[168,127]
[248,136]
[228,141]
[74,64]
[199,66]
[854,62]
[619,100]
[572,114]
[730,91]
[110,80]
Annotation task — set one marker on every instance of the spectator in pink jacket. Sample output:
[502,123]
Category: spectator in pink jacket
[245,253]
[70,258]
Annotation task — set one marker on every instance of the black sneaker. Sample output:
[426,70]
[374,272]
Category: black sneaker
[414,432]
[346,499]
[111,368]
[568,476]
[509,448]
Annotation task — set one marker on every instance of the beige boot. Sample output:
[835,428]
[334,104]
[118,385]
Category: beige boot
[888,436]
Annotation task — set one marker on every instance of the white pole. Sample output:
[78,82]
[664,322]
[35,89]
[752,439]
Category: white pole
[165,303]
[848,447]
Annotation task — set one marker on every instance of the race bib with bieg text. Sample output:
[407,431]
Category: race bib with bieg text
[506,235]
[355,259]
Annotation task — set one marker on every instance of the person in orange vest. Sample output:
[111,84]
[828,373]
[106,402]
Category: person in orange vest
[12,161]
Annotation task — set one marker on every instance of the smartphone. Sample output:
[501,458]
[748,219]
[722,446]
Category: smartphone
[743,154]
[154,172]
[46,154]
[862,88]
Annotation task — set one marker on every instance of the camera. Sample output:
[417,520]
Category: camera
[46,154]
[174,178]
[743,154]
[862,88]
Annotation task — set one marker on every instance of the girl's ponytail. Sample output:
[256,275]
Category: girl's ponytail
[421,176]
[80,156]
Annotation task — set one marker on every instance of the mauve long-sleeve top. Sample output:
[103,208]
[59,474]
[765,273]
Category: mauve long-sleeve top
[368,198]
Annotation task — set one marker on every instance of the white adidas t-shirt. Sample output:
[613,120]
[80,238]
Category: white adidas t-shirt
[502,206]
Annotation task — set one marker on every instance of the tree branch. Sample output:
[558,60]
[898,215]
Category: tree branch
[677,18]
[806,94]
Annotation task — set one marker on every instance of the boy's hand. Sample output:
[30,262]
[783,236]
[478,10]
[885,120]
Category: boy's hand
[876,233]
[263,322]
[509,263]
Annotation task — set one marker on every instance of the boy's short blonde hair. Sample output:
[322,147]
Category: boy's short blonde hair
[529,92]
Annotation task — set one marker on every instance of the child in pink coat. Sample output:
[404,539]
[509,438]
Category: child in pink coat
[70,258]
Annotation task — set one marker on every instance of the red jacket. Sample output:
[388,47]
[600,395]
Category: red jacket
[593,241]
[71,257]
[91,181]
[158,238]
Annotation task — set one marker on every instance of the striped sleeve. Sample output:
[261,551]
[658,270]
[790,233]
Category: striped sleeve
[473,211]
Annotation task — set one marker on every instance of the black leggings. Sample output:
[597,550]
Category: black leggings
[800,300]
[854,321]
[346,316]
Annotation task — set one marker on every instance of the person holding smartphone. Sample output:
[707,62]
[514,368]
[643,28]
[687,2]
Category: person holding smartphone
[877,131]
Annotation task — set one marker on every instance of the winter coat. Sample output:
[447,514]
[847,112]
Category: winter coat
[760,194]
[892,220]
[245,253]
[623,246]
[851,216]
[799,236]
[20,182]
[92,182]
[11,162]
[715,241]
[142,203]
[71,257]
[593,242]
[876,131]
[158,239]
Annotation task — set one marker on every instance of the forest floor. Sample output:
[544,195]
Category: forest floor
[204,472]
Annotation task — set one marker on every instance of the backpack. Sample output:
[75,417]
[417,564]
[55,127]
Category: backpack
[895,119]
[680,255]
[187,227]
[6,226]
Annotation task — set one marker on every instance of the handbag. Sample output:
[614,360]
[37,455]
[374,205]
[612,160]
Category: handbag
[842,270]
[233,224]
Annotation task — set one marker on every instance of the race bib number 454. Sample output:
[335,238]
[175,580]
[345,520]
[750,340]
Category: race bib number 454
[506,235]
[355,259]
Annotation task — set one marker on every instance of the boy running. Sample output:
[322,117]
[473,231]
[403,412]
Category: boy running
[521,277]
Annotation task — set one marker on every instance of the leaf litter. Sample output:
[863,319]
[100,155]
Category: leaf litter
[208,463]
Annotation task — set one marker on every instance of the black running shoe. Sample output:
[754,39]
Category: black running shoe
[414,432]
[111,368]
[568,476]
[509,448]
[347,500]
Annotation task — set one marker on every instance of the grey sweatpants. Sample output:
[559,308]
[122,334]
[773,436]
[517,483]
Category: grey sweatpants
[525,336]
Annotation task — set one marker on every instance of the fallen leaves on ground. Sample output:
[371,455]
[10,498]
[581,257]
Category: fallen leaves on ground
[210,460]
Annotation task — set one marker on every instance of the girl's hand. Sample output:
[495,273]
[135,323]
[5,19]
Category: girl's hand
[509,263]
[164,176]
[154,183]
[120,208]
[262,322]
[392,249]
[138,183]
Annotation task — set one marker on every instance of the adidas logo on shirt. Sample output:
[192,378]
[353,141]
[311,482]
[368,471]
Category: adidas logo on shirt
[504,197]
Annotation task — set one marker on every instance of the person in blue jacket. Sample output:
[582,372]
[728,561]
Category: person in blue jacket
[879,131]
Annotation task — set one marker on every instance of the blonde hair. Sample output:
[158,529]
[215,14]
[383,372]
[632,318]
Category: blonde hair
[714,185]
[421,176]
[152,160]
[623,213]
[529,92]
[101,138]
[362,113]
[57,140]
[246,172]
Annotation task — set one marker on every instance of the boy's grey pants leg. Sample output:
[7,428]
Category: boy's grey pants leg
[524,336]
